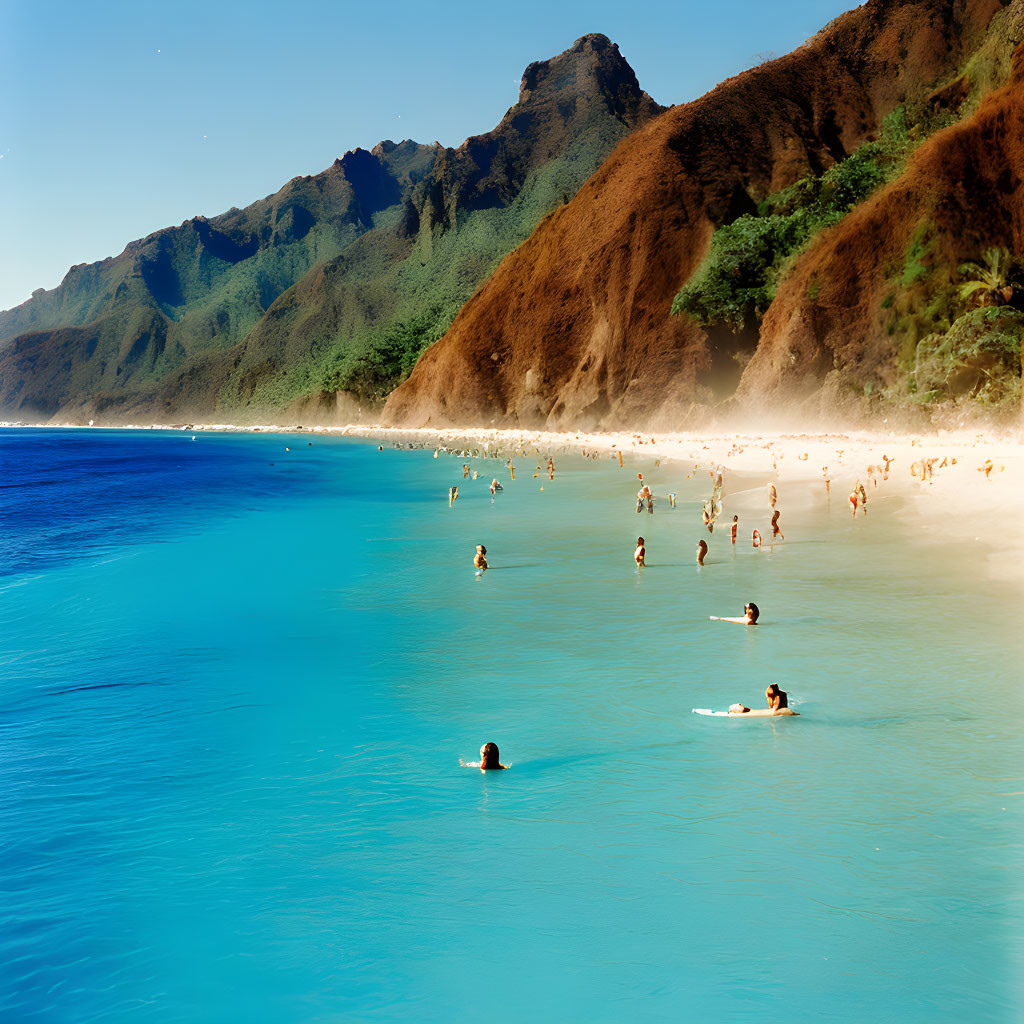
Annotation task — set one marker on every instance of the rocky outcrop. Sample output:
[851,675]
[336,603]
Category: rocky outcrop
[574,328]
[962,193]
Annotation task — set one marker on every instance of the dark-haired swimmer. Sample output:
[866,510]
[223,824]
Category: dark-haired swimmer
[641,552]
[778,704]
[751,613]
[488,759]
[480,560]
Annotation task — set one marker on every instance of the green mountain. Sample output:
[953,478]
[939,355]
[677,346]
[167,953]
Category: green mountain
[332,286]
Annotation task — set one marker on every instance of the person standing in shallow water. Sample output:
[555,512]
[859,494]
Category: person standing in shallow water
[640,553]
[480,560]
[702,550]
[735,527]
[489,759]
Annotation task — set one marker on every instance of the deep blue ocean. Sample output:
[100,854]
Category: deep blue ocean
[236,682]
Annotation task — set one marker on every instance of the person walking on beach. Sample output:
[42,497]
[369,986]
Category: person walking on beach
[735,527]
[776,532]
[702,550]
[828,481]
[853,502]
[641,552]
[863,498]
[480,560]
[772,495]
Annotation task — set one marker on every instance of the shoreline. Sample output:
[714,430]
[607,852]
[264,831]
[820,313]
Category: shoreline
[956,503]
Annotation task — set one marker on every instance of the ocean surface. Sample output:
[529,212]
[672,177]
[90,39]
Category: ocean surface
[236,682]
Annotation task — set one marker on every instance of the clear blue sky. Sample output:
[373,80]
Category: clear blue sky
[119,118]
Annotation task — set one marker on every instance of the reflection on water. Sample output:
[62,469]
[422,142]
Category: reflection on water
[229,782]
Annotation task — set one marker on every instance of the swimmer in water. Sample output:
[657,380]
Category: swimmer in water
[756,539]
[702,550]
[778,704]
[776,532]
[735,527]
[750,616]
[489,759]
[641,552]
[853,502]
[480,560]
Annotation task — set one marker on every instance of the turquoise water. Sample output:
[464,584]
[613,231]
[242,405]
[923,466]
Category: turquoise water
[236,683]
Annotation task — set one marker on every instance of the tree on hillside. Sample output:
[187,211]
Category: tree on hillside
[988,284]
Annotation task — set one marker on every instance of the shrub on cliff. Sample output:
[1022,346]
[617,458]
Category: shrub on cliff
[980,356]
[748,257]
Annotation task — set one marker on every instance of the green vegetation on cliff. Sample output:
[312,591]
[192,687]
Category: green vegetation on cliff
[738,278]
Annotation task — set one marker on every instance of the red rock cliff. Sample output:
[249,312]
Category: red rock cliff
[574,327]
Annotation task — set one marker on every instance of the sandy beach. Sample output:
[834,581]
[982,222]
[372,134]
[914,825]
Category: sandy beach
[955,501]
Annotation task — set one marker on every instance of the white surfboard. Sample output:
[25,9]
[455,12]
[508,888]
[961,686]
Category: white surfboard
[756,713]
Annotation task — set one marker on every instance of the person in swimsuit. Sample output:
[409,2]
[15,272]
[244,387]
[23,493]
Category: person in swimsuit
[755,539]
[453,493]
[776,532]
[735,527]
[480,560]
[772,495]
[778,703]
[489,759]
[750,616]
[853,502]
[641,552]
[702,550]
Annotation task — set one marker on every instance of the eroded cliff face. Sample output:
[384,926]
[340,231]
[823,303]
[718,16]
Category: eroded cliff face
[858,301]
[574,328]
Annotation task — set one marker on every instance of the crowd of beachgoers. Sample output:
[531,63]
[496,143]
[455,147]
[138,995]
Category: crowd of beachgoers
[857,467]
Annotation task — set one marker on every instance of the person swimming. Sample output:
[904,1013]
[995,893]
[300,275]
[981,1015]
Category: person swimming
[641,552]
[750,616]
[480,560]
[489,759]
[702,550]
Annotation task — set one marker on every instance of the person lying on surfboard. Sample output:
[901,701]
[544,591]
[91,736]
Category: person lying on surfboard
[778,704]
[750,614]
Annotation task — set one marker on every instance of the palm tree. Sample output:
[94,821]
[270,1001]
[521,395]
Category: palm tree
[988,283]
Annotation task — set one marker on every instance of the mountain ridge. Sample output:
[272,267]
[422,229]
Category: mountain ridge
[194,319]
